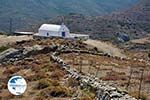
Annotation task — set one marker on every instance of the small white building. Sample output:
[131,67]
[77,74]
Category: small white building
[51,30]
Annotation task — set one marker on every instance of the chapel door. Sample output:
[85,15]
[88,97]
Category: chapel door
[63,34]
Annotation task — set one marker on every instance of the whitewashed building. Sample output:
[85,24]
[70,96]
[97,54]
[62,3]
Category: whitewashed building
[51,30]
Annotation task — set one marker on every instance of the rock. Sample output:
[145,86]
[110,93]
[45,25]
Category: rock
[122,37]
[29,59]
[115,95]
[10,55]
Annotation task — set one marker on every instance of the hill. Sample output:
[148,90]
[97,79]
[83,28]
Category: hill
[64,69]
[27,12]
[134,22]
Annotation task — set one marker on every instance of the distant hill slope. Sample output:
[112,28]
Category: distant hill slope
[141,11]
[139,15]
[134,22]
[27,12]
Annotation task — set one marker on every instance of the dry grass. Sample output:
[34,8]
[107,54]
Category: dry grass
[43,83]
[55,91]
[114,76]
[11,70]
[87,95]
[37,76]
[57,74]
[72,82]
[112,69]
[143,96]
[106,48]
[4,40]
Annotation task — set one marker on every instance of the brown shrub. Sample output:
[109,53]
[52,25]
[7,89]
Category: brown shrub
[7,97]
[37,76]
[3,86]
[44,83]
[11,70]
[41,98]
[114,76]
[57,74]
[87,95]
[35,67]
[85,98]
[51,68]
[72,82]
[144,96]
[55,83]
[55,91]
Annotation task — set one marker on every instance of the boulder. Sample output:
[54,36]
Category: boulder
[10,55]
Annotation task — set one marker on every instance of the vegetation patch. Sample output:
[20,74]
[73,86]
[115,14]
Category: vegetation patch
[143,96]
[57,74]
[3,48]
[3,33]
[87,95]
[72,82]
[56,91]
[44,83]
[11,70]
[37,76]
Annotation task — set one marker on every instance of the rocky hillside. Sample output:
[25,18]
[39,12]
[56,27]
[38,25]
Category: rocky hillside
[104,28]
[141,11]
[63,69]
[138,15]
[134,22]
[27,12]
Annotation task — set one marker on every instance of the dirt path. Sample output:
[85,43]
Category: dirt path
[105,47]
[11,39]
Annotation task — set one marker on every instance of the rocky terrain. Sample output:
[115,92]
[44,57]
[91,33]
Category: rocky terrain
[59,69]
[45,78]
[138,48]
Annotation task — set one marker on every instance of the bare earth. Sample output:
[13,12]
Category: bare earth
[105,47]
[4,40]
